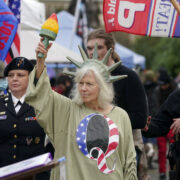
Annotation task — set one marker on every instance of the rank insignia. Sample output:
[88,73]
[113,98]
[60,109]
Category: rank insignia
[3,117]
[3,96]
[37,140]
[2,113]
[30,119]
[29,140]
[20,62]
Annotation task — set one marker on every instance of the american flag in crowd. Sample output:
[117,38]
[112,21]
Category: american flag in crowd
[14,51]
[81,139]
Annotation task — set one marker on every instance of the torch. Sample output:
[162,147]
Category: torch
[49,31]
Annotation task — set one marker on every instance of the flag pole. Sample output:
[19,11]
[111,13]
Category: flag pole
[77,10]
[176,5]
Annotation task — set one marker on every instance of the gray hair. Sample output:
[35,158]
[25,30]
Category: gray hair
[106,93]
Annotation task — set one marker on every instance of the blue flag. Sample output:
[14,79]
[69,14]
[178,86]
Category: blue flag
[8,27]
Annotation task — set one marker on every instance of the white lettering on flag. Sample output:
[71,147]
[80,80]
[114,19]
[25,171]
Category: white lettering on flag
[112,6]
[127,22]
[164,15]
[149,18]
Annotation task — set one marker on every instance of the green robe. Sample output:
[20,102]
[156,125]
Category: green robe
[60,117]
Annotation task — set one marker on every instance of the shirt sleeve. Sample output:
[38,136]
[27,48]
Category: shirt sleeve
[136,101]
[161,122]
[129,169]
[48,104]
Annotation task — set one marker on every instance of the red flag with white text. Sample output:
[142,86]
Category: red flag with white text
[149,18]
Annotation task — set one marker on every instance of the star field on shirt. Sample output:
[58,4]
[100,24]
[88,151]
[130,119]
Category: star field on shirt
[81,134]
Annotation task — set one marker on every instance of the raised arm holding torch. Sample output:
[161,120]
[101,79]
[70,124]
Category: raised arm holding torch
[48,32]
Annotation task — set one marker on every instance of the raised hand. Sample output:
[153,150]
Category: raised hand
[41,61]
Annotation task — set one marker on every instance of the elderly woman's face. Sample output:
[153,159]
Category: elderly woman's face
[89,89]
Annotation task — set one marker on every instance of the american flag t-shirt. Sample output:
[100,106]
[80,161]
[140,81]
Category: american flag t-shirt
[97,138]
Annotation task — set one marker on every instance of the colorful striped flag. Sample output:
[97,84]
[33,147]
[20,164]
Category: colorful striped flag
[14,5]
[149,18]
[8,26]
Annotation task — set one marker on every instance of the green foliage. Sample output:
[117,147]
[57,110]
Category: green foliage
[122,38]
[160,52]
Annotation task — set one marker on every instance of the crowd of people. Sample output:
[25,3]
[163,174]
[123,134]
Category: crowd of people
[158,87]
[103,118]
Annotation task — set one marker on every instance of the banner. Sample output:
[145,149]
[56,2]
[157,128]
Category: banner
[149,18]
[14,51]
[8,26]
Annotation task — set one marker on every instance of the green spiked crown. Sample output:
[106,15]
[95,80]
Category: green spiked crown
[100,65]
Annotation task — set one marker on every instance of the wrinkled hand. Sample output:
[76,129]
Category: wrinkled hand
[176,126]
[147,124]
[41,61]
